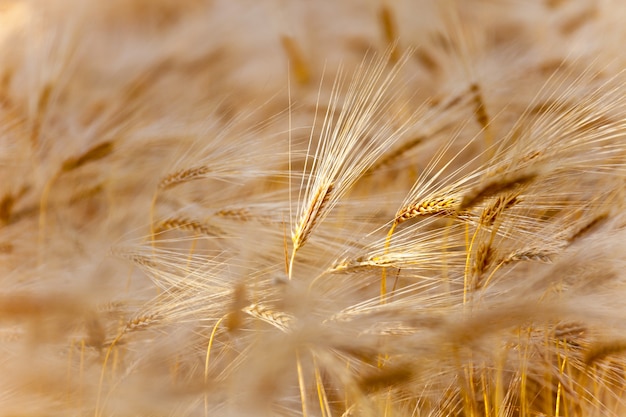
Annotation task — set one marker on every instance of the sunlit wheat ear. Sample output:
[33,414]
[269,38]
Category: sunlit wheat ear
[280,320]
[357,129]
[434,194]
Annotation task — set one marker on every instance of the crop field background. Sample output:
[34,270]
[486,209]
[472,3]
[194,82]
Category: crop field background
[395,208]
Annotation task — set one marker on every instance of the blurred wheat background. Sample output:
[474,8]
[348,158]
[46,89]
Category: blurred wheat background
[312,208]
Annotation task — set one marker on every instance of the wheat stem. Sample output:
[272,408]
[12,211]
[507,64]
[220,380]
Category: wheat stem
[206,363]
[383,280]
[301,385]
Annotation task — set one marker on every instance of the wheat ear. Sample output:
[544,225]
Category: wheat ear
[350,143]
[190,225]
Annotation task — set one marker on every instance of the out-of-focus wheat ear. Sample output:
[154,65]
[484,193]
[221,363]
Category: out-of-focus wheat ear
[396,154]
[298,63]
[5,83]
[482,117]
[385,378]
[240,214]
[95,153]
[572,333]
[42,105]
[96,334]
[578,20]
[600,350]
[498,185]
[8,203]
[86,193]
[437,113]
[427,61]
[595,222]
[390,31]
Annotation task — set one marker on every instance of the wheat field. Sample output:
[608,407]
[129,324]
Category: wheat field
[292,208]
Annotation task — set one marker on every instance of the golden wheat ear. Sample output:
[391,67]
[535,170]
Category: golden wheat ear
[357,129]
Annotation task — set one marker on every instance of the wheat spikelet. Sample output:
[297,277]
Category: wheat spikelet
[311,216]
[529,255]
[438,206]
[184,175]
[140,323]
[497,207]
[483,259]
[143,260]
[266,213]
[278,319]
[240,214]
[183,223]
